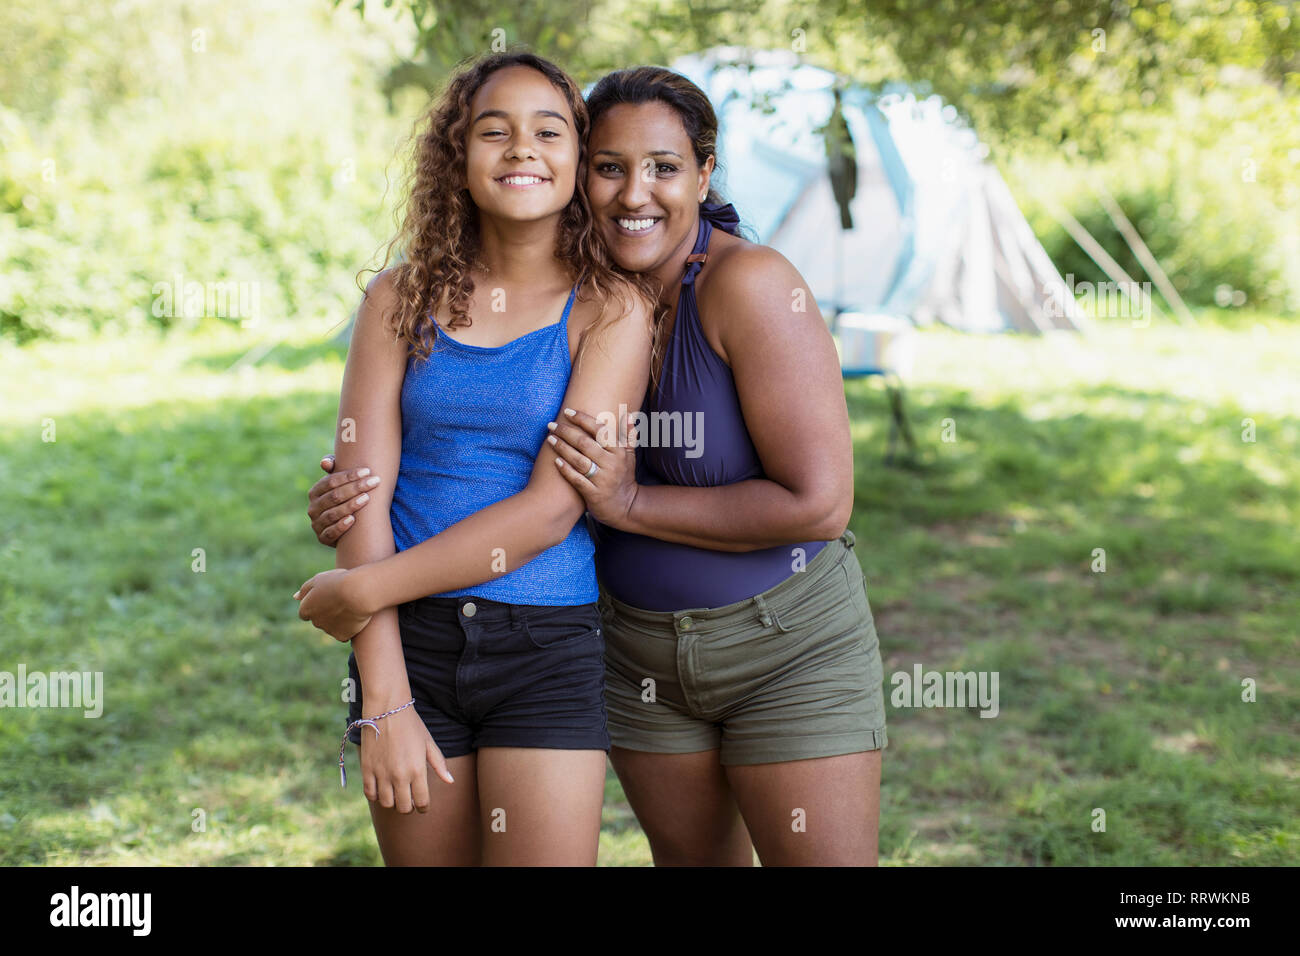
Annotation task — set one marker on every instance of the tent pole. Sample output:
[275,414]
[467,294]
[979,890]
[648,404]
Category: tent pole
[839,279]
[1149,261]
[1113,270]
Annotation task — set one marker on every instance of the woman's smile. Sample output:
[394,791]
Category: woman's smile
[645,187]
[636,226]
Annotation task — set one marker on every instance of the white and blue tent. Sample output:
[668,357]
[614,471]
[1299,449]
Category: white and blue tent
[935,234]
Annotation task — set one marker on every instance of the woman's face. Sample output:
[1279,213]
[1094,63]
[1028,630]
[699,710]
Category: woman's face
[645,186]
[521,147]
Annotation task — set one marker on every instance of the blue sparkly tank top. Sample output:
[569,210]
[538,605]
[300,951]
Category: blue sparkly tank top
[473,422]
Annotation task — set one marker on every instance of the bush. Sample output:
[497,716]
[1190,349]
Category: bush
[239,178]
[1212,189]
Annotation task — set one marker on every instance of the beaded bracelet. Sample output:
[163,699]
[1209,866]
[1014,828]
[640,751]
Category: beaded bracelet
[366,722]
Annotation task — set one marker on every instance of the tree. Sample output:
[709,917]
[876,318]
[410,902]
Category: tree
[1018,70]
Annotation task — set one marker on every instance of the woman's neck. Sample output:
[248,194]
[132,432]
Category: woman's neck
[518,252]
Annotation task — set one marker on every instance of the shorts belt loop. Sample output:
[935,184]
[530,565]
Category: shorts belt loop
[766,616]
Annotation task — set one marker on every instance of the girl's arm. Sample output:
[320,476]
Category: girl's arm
[787,376]
[613,371]
[370,431]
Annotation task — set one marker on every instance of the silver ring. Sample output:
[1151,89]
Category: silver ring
[591,471]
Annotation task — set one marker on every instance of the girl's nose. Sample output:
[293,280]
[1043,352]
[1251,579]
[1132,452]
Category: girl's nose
[521,148]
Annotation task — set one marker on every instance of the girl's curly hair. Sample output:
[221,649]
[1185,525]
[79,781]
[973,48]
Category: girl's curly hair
[439,232]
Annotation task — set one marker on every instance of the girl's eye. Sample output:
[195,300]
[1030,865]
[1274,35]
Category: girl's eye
[607,167]
[667,169]
[500,132]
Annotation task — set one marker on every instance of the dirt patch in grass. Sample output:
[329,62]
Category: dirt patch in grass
[954,615]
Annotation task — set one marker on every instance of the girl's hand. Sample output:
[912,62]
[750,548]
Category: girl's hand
[324,600]
[578,440]
[393,764]
[332,500]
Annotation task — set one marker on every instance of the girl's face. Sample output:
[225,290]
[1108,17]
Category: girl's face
[645,186]
[521,147]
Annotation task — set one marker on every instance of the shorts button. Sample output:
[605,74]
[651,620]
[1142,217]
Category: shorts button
[686,623]
[469,610]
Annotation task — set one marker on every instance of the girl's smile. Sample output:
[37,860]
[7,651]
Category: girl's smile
[523,180]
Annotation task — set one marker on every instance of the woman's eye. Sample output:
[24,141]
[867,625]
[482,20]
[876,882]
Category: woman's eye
[548,132]
[607,168]
[666,169]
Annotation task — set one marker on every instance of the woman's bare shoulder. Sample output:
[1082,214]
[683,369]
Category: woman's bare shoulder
[748,282]
[736,262]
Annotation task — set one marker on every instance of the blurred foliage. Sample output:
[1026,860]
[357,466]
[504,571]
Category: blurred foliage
[148,143]
[1058,71]
[1212,187]
[1190,110]
[159,143]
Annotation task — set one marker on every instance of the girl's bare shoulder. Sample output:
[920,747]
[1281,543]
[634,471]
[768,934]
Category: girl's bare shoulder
[619,297]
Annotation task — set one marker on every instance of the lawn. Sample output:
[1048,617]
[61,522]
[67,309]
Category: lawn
[1120,689]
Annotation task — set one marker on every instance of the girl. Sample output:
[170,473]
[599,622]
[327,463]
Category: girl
[743,667]
[471,591]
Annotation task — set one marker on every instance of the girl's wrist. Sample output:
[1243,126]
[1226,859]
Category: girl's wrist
[380,698]
[373,723]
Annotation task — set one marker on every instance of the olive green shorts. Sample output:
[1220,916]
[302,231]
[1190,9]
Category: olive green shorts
[789,674]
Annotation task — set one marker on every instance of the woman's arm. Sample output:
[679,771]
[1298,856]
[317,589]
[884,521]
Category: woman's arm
[510,533]
[370,431]
[787,376]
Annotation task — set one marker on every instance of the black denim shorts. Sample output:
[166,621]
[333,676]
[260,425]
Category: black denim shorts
[487,674]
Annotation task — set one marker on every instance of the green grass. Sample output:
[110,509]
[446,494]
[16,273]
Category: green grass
[1119,690]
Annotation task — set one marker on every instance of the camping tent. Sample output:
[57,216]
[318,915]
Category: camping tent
[935,233]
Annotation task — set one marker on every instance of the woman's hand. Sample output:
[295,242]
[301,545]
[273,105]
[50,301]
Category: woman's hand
[327,602]
[332,500]
[579,440]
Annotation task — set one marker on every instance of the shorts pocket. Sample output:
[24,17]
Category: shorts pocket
[856,582]
[562,627]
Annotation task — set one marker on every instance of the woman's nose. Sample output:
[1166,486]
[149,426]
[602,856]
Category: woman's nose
[636,189]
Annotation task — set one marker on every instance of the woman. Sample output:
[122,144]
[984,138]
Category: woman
[477,647]
[743,668]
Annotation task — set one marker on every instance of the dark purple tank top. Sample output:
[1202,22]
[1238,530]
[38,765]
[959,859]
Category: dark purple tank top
[695,436]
